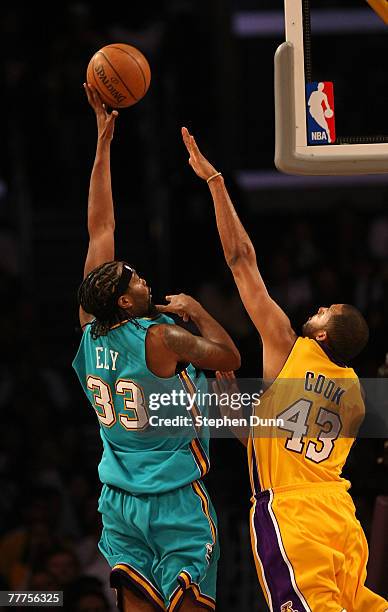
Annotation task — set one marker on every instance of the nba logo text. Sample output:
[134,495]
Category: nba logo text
[320,113]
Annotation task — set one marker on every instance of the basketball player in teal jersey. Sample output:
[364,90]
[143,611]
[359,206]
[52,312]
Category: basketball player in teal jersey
[159,527]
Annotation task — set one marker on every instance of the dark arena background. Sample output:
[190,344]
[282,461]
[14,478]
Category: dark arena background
[319,240]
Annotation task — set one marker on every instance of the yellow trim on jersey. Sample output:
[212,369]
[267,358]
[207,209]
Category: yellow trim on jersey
[195,445]
[198,454]
[151,590]
[205,507]
[126,321]
[192,391]
[119,324]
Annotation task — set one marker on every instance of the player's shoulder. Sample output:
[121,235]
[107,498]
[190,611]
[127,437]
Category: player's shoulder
[84,331]
[310,351]
[300,345]
[169,336]
[162,328]
[306,343]
[312,347]
[85,327]
[158,319]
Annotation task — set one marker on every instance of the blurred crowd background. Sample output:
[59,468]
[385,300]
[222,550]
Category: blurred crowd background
[319,241]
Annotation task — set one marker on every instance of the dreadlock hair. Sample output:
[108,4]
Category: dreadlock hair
[347,333]
[96,296]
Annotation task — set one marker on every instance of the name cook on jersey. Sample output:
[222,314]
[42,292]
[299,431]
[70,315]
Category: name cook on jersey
[204,421]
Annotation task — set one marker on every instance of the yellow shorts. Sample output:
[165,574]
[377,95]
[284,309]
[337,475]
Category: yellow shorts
[310,550]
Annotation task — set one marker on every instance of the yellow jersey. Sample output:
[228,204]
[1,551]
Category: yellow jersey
[304,425]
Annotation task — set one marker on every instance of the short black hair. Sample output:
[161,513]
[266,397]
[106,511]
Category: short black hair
[347,332]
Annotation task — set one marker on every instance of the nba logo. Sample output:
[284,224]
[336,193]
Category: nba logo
[320,113]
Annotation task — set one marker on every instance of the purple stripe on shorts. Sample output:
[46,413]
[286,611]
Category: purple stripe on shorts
[277,573]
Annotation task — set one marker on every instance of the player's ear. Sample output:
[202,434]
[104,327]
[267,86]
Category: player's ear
[125,302]
[321,336]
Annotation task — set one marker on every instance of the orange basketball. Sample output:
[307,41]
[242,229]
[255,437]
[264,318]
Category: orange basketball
[120,73]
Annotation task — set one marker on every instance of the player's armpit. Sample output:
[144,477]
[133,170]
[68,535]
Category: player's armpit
[199,351]
[101,249]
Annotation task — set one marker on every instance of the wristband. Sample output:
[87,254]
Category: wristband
[213,176]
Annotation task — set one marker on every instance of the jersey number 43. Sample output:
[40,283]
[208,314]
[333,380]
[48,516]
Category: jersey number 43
[295,420]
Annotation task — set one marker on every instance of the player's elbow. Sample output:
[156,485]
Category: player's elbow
[243,253]
[233,360]
[98,228]
[237,362]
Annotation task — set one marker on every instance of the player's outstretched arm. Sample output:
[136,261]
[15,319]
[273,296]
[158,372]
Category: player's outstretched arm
[213,348]
[101,221]
[271,322]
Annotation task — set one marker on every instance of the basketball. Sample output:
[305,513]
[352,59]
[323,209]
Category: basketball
[328,113]
[120,73]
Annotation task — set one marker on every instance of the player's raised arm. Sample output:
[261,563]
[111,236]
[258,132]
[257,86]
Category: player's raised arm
[269,319]
[101,221]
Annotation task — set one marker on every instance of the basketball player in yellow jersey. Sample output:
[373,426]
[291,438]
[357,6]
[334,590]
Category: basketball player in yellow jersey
[309,548]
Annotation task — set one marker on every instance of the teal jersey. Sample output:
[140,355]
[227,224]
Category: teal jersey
[141,454]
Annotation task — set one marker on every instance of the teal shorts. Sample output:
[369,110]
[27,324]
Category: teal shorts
[163,543]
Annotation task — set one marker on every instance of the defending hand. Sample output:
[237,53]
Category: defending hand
[201,166]
[225,382]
